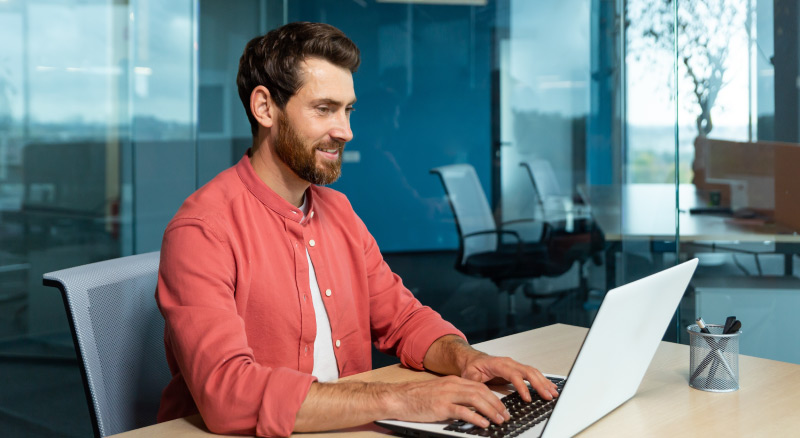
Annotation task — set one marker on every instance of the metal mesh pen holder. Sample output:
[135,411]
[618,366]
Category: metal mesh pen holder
[714,359]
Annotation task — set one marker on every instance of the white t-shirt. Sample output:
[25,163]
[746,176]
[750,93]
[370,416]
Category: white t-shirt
[325,368]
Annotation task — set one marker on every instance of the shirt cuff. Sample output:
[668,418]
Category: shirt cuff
[286,391]
[413,356]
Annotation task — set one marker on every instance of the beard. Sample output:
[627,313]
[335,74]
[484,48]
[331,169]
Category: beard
[301,156]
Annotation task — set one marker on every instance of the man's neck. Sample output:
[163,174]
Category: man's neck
[277,176]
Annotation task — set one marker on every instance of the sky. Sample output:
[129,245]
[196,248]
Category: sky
[79,55]
[552,74]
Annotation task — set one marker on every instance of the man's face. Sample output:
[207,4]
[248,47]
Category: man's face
[315,124]
[301,155]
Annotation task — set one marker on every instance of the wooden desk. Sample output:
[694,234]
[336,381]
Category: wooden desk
[766,405]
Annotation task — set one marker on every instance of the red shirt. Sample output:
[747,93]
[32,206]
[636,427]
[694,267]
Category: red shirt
[233,287]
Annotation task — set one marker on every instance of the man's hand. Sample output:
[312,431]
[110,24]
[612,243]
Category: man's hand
[452,355]
[446,398]
[481,367]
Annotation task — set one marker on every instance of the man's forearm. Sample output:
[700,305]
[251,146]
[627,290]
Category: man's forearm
[345,404]
[330,406]
[448,355]
[339,405]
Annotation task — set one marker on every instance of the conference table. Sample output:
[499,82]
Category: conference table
[643,217]
[767,403]
[647,212]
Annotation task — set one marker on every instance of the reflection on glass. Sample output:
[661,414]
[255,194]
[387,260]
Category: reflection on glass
[737,124]
[713,81]
[112,113]
[96,153]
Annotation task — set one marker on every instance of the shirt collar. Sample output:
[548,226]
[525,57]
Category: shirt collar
[268,197]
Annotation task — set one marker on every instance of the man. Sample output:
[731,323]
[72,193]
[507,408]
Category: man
[272,287]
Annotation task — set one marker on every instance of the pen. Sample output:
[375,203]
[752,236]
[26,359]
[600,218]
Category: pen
[701,367]
[703,329]
[702,325]
[709,357]
[724,364]
[715,356]
[728,323]
[713,371]
[735,327]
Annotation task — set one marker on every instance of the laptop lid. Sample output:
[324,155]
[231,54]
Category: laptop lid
[612,361]
[618,349]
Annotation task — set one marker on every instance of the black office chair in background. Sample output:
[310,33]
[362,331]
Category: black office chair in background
[575,236]
[500,253]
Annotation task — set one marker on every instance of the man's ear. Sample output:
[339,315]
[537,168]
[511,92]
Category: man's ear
[262,106]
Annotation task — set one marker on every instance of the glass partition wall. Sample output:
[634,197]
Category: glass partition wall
[712,115]
[738,85]
[610,139]
[97,149]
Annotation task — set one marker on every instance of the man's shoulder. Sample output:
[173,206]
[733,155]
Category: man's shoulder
[212,200]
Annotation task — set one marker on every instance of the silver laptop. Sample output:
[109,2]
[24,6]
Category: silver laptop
[610,365]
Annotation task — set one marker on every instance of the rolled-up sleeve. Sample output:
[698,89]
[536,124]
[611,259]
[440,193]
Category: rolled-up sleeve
[206,336]
[400,324]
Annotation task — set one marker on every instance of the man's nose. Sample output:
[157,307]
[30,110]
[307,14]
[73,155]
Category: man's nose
[341,131]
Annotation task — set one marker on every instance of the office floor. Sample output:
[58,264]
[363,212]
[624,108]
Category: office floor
[42,394]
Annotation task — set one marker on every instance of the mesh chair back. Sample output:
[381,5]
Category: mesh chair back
[470,208]
[543,178]
[118,332]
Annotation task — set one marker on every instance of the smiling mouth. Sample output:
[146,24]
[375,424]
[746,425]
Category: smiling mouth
[331,154]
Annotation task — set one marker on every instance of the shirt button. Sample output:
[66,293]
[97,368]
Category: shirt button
[311,242]
[310,215]
[304,297]
[306,349]
[338,343]
[327,292]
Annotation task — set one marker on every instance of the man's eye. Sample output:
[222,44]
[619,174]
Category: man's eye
[323,109]
[349,109]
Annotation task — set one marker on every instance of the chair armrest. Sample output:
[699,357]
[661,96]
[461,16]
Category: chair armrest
[499,233]
[518,221]
[546,227]
[513,233]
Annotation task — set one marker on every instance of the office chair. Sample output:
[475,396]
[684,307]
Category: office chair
[581,239]
[119,336]
[482,250]
[543,178]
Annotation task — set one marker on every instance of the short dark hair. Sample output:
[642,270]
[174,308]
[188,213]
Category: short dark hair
[272,60]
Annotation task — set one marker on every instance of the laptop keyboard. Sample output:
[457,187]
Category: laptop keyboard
[524,415]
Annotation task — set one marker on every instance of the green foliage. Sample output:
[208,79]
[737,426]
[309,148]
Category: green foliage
[649,167]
